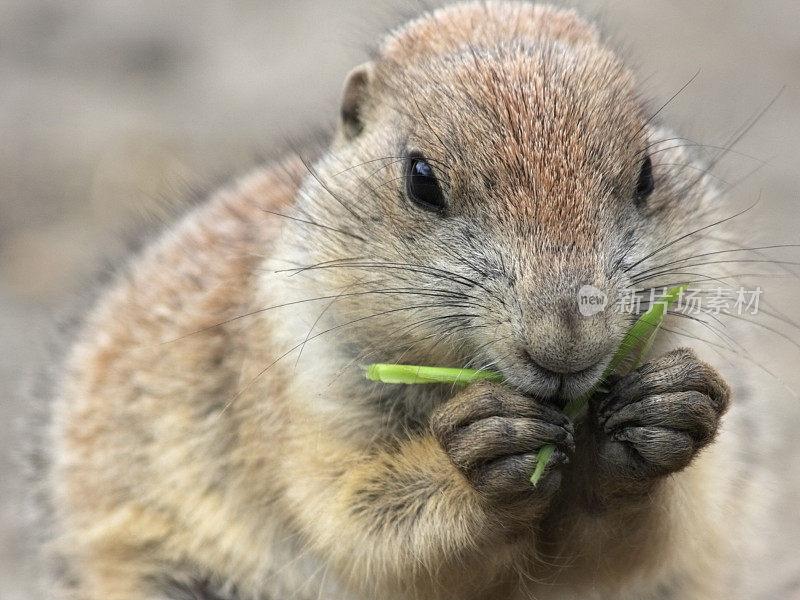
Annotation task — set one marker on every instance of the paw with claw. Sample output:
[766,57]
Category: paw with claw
[654,420]
[492,435]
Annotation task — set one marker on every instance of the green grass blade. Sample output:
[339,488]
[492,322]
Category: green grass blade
[646,347]
[541,462]
[388,373]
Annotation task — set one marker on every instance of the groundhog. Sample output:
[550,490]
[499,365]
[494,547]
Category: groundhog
[212,434]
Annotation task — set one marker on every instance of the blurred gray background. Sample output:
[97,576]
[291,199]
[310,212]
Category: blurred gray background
[107,107]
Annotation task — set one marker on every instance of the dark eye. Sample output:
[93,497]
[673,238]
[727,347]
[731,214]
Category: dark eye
[422,186]
[645,185]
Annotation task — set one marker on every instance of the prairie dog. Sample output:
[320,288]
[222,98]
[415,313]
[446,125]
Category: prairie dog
[213,435]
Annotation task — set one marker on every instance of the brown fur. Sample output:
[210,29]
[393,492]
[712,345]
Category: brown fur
[195,450]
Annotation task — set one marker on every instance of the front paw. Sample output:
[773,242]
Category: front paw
[654,420]
[492,435]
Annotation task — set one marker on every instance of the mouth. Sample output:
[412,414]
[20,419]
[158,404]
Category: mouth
[551,386]
[574,385]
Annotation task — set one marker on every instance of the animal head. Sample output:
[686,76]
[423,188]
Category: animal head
[492,163]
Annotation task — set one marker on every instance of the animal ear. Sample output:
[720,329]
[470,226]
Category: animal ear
[353,99]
